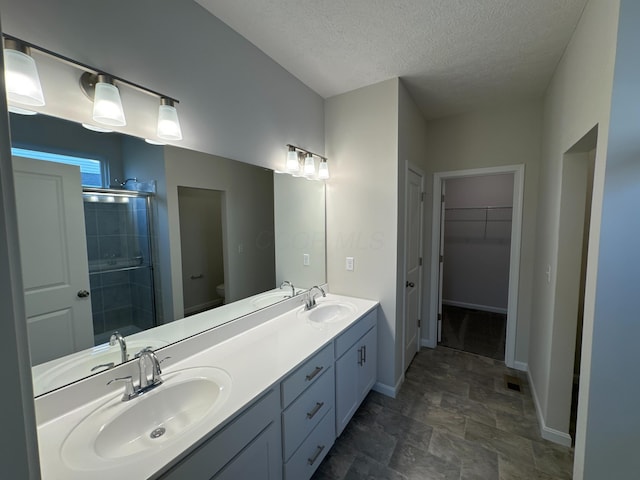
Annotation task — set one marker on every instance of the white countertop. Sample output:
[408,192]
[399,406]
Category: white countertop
[256,359]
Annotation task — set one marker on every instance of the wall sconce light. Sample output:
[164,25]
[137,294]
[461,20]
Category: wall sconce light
[168,121]
[23,87]
[294,156]
[21,74]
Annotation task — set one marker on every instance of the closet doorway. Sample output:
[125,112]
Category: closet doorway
[475,260]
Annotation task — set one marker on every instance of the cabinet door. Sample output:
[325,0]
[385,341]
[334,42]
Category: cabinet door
[260,460]
[367,372]
[347,388]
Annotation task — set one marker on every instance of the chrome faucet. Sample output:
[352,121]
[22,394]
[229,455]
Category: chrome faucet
[148,379]
[147,358]
[310,298]
[117,338]
[287,283]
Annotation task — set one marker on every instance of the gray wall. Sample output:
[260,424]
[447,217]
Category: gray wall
[613,424]
[362,207]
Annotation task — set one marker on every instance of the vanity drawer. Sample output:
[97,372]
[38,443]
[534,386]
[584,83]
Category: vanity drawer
[306,375]
[312,451]
[354,333]
[307,411]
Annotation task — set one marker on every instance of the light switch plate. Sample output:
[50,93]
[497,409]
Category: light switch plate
[306,260]
[350,264]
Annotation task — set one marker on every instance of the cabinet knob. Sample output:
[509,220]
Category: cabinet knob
[410,284]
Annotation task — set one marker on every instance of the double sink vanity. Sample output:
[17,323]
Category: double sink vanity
[262,397]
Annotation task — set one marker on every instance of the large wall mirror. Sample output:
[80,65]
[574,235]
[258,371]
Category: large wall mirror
[180,243]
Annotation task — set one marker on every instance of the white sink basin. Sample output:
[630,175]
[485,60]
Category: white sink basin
[117,430]
[57,373]
[328,312]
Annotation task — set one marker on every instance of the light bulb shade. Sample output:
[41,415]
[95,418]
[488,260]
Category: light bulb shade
[107,106]
[323,170]
[309,166]
[292,161]
[168,123]
[22,79]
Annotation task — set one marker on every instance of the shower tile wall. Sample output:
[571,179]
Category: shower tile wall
[117,238]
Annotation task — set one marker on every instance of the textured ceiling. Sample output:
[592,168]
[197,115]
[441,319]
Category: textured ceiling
[454,55]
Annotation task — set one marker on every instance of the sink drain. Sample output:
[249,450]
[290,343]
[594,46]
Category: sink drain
[158,432]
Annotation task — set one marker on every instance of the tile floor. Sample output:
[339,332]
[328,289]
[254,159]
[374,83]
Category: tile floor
[452,419]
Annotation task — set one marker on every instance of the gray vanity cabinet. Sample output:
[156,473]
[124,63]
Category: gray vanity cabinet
[249,447]
[356,354]
[287,432]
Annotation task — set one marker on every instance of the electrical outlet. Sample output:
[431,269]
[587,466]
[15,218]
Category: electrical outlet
[306,260]
[350,264]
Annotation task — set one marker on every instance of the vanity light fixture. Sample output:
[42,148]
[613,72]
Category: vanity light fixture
[168,121]
[21,74]
[23,87]
[294,156]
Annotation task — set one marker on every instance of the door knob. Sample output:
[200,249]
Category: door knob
[83,294]
[410,284]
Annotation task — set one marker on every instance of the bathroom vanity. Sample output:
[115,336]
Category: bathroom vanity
[261,398]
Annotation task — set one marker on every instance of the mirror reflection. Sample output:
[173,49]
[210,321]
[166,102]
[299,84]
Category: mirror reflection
[181,242]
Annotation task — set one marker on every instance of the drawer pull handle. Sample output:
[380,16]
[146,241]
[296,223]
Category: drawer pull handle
[313,459]
[313,374]
[360,359]
[313,412]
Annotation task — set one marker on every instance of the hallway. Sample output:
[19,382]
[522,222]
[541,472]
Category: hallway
[453,418]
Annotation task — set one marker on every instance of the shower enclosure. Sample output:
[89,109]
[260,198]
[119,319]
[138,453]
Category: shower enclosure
[119,246]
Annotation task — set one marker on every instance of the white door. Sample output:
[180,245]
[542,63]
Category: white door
[413,281]
[441,263]
[53,252]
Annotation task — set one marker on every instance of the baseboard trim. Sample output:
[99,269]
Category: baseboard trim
[522,366]
[548,433]
[474,306]
[386,390]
